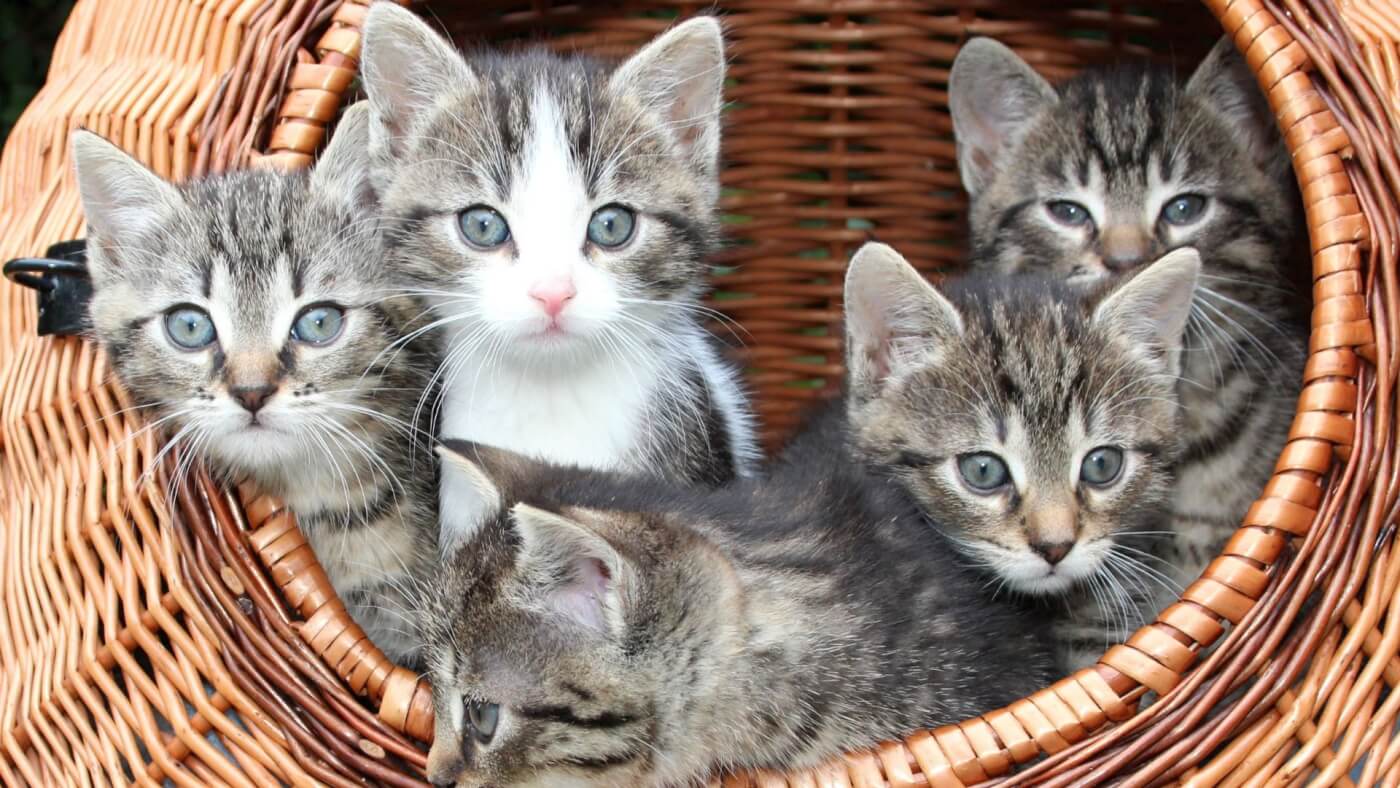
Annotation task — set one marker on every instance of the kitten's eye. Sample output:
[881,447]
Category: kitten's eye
[484,227]
[1184,209]
[1068,213]
[983,471]
[318,325]
[1102,465]
[611,226]
[189,327]
[481,718]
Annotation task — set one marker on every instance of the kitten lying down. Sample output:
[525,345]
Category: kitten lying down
[604,630]
[251,316]
[1035,422]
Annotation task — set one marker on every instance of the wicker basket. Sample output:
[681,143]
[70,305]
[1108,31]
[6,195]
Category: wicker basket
[192,637]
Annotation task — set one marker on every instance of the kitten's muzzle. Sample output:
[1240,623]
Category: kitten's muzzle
[1124,247]
[252,398]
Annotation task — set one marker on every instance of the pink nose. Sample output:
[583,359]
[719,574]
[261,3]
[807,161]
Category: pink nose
[553,294]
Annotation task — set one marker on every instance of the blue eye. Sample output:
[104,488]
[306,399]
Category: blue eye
[983,471]
[1102,465]
[318,325]
[484,227]
[1068,213]
[1184,209]
[189,328]
[611,226]
[481,717]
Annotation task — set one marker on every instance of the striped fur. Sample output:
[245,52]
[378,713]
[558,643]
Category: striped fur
[1037,376]
[642,633]
[335,440]
[1124,143]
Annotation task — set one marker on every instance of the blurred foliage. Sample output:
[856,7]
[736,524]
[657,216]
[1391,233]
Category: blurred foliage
[28,29]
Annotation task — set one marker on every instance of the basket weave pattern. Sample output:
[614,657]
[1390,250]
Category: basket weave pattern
[142,608]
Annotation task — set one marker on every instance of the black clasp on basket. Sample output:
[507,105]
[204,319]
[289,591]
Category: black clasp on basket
[61,277]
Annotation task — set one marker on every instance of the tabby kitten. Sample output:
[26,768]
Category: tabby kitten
[247,313]
[558,213]
[1036,424]
[610,631]
[1113,169]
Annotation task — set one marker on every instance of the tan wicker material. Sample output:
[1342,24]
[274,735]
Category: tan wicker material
[145,613]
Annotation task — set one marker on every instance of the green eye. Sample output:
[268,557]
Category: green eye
[318,325]
[1184,209]
[481,718]
[1102,465]
[611,226]
[189,328]
[484,227]
[983,471]
[1068,213]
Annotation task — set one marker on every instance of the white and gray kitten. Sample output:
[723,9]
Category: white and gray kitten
[253,318]
[557,213]
[623,631]
[1035,423]
[1094,178]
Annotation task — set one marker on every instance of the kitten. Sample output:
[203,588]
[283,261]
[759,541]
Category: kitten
[246,313]
[1113,169]
[1036,423]
[608,630]
[558,214]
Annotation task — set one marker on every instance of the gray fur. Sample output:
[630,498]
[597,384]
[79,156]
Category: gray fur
[1040,375]
[642,633]
[1110,138]
[335,441]
[453,133]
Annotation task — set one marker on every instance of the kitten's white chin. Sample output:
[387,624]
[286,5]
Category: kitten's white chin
[1028,573]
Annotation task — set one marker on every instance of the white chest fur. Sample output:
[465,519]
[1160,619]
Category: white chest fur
[592,414]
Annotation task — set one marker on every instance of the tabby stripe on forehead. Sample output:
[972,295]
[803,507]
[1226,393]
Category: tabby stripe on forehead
[566,716]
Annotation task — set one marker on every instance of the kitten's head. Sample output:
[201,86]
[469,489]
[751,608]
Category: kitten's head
[555,206]
[245,309]
[1120,165]
[1034,422]
[564,644]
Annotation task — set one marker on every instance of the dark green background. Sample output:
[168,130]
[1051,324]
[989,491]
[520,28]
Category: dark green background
[27,33]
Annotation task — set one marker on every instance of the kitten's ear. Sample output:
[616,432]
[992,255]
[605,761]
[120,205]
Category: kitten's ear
[406,67]
[1225,82]
[343,169]
[581,575]
[1153,307]
[680,74]
[122,199]
[893,318]
[470,498]
[992,94]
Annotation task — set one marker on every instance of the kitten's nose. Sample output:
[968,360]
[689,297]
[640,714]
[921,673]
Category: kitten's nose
[1052,552]
[553,293]
[1124,247]
[252,397]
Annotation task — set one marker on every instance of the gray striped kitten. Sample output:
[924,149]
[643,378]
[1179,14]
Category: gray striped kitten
[617,631]
[1115,167]
[557,213]
[1036,424]
[247,314]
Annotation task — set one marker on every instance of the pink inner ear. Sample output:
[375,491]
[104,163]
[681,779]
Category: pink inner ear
[584,597]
